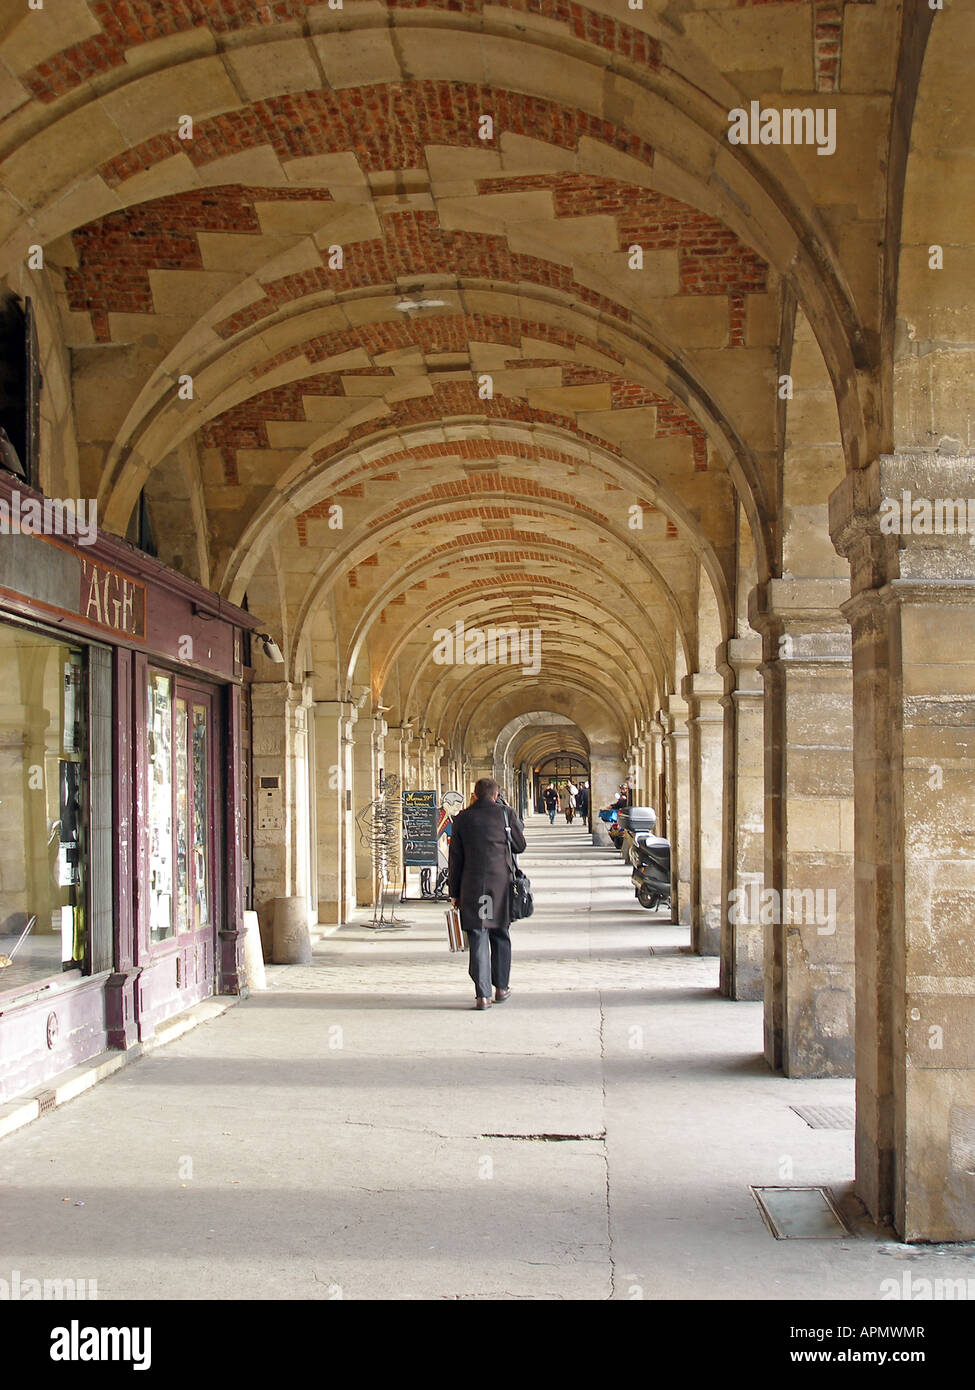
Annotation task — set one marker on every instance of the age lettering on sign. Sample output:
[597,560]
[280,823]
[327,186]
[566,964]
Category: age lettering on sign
[112,600]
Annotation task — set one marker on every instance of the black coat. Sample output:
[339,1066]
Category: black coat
[477,866]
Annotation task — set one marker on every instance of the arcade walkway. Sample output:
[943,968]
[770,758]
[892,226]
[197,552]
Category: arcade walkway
[347,1131]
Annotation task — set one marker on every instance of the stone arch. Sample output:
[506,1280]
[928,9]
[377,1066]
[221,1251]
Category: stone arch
[933,354]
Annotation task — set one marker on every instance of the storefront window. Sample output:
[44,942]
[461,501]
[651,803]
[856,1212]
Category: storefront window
[160,806]
[200,856]
[179,858]
[182,821]
[44,806]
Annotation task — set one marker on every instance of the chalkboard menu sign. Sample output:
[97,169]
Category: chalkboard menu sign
[419,828]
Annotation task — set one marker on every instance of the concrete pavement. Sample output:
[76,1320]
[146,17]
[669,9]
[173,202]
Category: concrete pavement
[359,1131]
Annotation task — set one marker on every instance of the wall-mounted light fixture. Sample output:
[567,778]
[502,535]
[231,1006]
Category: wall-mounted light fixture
[271,649]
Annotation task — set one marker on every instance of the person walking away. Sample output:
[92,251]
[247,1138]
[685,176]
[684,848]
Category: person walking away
[478,882]
[567,801]
[551,798]
[582,801]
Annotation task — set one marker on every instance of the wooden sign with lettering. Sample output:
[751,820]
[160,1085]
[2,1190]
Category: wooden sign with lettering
[112,600]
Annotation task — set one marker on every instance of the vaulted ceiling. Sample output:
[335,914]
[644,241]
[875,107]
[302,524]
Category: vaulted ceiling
[405,314]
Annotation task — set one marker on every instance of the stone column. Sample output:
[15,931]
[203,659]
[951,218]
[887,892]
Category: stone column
[806,906]
[419,749]
[479,765]
[634,774]
[912,614]
[272,717]
[743,854]
[678,745]
[706,759]
[394,749]
[650,761]
[608,771]
[366,758]
[300,795]
[440,767]
[670,829]
[309,710]
[394,754]
[657,801]
[333,774]
[411,779]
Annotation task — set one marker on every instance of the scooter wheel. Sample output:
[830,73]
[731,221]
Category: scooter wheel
[647,899]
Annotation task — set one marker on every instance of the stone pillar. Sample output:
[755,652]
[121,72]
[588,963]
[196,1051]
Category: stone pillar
[366,758]
[650,758]
[743,853]
[706,760]
[273,705]
[394,752]
[678,747]
[333,773]
[394,755]
[608,772]
[411,776]
[634,774]
[670,829]
[659,784]
[479,765]
[419,749]
[806,906]
[912,614]
[300,795]
[309,711]
[440,767]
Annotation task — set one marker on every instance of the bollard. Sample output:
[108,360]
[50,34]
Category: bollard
[265,919]
[253,954]
[292,943]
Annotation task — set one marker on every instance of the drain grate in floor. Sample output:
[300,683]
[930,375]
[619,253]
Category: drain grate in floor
[826,1116]
[800,1213]
[547,1138]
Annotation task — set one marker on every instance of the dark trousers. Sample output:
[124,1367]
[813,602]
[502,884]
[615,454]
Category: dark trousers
[490,959]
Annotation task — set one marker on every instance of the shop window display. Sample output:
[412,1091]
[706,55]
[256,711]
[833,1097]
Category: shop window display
[44,803]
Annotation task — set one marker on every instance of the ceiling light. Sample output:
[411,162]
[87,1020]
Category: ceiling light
[406,306]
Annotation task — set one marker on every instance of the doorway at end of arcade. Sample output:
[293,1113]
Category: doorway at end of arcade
[559,767]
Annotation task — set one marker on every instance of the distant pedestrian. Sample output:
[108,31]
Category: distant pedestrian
[582,801]
[478,882]
[567,800]
[551,799]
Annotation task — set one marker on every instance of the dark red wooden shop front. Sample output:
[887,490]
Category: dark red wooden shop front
[123,777]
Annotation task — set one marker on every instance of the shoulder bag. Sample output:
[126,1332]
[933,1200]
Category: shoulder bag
[520,901]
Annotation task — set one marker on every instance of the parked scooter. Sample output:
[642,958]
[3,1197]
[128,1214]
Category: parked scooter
[633,821]
[650,857]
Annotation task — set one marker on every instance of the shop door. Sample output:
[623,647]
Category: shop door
[184,831]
